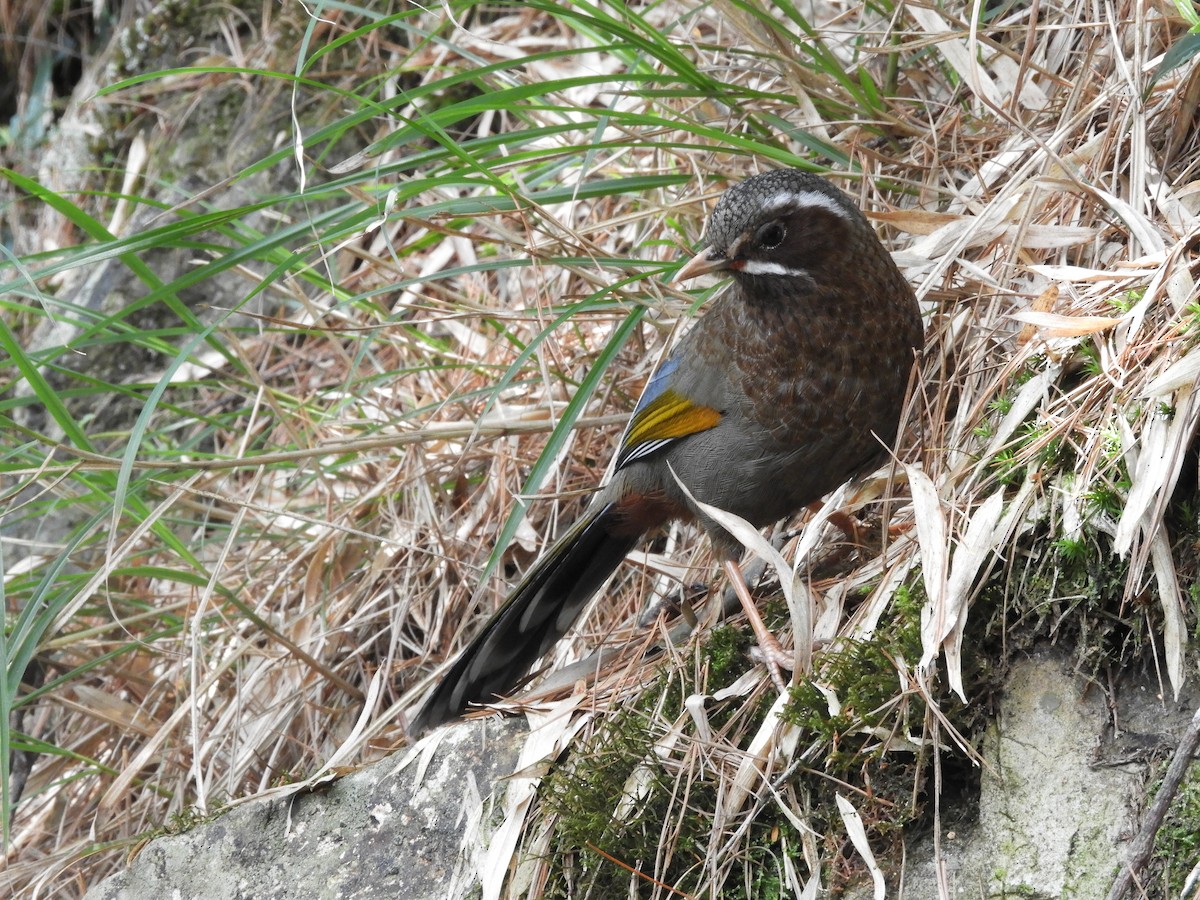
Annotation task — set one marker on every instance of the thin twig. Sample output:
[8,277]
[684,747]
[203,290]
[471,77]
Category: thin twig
[1143,845]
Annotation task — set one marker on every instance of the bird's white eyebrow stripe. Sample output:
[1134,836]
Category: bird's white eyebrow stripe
[801,199]
[762,267]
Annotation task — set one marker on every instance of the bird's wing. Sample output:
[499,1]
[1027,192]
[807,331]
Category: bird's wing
[663,415]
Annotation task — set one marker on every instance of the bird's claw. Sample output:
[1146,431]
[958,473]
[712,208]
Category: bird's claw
[771,654]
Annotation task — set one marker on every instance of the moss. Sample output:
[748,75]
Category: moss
[727,649]
[619,807]
[185,820]
[1068,590]
[595,825]
[861,675]
[621,820]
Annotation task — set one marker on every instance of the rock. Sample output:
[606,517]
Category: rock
[388,830]
[1059,798]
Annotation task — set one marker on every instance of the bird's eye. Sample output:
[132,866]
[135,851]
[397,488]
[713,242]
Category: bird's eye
[770,235]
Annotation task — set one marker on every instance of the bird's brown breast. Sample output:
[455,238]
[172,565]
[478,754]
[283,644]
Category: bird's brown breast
[830,366]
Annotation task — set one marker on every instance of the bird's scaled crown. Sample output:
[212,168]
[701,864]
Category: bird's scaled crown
[762,196]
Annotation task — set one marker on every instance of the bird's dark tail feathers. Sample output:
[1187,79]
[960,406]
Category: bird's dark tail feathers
[538,612]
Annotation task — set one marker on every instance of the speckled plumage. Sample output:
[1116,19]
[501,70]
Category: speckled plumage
[789,385]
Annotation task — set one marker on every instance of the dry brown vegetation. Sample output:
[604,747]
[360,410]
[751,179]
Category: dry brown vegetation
[364,446]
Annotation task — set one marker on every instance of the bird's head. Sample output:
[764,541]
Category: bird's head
[780,230]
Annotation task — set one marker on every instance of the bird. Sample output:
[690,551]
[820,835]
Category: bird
[790,384]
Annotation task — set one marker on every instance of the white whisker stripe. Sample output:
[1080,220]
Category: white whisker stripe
[802,199]
[762,267]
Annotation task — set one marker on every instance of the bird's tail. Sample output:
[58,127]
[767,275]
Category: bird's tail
[538,612]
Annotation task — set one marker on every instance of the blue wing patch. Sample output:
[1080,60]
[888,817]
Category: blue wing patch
[657,384]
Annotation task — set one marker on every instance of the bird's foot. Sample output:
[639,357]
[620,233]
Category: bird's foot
[847,525]
[771,654]
[769,648]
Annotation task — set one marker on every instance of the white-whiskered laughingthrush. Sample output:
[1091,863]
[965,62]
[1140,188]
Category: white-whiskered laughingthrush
[789,385]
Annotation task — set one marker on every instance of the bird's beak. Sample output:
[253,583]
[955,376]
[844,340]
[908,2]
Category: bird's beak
[702,263]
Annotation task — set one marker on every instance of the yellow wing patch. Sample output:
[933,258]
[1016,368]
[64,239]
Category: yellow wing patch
[670,416]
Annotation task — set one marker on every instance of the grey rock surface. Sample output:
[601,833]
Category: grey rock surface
[397,829]
[1060,791]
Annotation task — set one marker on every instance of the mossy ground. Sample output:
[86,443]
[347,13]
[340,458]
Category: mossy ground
[1067,593]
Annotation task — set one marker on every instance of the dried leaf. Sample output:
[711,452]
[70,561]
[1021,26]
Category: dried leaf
[1055,325]
[857,832]
[976,547]
[932,538]
[915,221]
